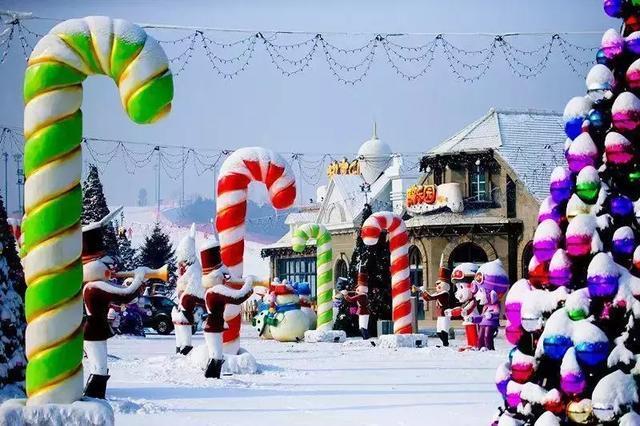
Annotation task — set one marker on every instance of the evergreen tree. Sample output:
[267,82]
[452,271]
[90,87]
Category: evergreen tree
[94,208]
[12,321]
[157,251]
[574,321]
[127,253]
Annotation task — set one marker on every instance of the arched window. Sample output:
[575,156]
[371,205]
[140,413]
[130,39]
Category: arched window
[342,270]
[467,252]
[416,268]
[527,254]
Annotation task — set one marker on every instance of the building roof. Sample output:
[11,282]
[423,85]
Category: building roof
[530,142]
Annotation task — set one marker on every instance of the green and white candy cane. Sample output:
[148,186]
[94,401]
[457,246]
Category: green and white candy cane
[52,234]
[324,269]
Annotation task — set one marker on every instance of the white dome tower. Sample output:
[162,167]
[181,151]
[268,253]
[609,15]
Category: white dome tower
[374,157]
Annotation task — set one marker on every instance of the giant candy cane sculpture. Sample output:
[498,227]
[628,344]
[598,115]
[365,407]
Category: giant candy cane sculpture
[244,166]
[51,228]
[324,271]
[399,246]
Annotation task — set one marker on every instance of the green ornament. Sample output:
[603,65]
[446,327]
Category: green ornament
[577,314]
[634,176]
[588,191]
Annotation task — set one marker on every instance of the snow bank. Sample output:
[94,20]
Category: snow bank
[87,412]
[329,336]
[403,341]
[243,363]
[547,419]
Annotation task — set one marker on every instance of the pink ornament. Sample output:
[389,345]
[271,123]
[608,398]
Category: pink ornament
[633,75]
[579,235]
[513,333]
[626,112]
[612,44]
[618,149]
[513,394]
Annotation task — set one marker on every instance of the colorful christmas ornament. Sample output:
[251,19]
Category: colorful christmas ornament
[602,276]
[538,272]
[633,75]
[632,22]
[546,240]
[632,43]
[577,304]
[549,209]
[626,112]
[602,59]
[580,412]
[576,206]
[513,333]
[552,402]
[513,301]
[522,367]
[561,184]
[588,184]
[599,121]
[556,337]
[614,394]
[560,269]
[614,8]
[575,113]
[623,242]
[582,153]
[612,44]
[579,235]
[513,394]
[572,379]
[621,207]
[591,344]
[556,346]
[600,83]
[618,149]
[503,375]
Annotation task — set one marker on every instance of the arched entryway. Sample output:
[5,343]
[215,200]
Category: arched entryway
[416,266]
[341,269]
[527,254]
[467,252]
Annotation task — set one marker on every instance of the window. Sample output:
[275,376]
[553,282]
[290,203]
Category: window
[467,252]
[341,270]
[511,198]
[527,254]
[478,186]
[415,266]
[437,176]
[298,269]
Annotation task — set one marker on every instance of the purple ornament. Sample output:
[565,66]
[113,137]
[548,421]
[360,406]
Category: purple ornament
[546,240]
[623,242]
[561,184]
[614,8]
[549,209]
[573,383]
[582,153]
[621,207]
[612,44]
[602,276]
[632,43]
[560,269]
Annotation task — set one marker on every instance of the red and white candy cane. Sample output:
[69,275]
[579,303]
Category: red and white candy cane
[399,247]
[244,166]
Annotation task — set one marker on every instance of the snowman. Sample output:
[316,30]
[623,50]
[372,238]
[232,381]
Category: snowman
[288,321]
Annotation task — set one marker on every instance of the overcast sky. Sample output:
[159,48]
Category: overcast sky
[313,112]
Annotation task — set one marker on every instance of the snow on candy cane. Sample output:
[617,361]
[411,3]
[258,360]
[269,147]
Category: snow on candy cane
[246,165]
[51,228]
[399,246]
[324,270]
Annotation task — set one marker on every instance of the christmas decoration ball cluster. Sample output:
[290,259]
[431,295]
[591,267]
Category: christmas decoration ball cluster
[575,322]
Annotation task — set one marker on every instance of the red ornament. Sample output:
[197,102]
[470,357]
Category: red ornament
[632,23]
[556,407]
[538,273]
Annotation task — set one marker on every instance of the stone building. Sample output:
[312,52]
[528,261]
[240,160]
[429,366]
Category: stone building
[500,165]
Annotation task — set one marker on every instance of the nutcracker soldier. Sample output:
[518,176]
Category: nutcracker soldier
[361,298]
[220,291]
[441,298]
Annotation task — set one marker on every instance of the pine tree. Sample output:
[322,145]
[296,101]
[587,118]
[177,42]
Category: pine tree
[127,253]
[575,320]
[157,251]
[94,208]
[12,321]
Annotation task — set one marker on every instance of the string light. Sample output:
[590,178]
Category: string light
[347,65]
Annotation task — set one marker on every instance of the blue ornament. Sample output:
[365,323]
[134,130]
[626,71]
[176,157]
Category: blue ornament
[599,120]
[601,58]
[592,353]
[573,127]
[621,207]
[614,8]
[303,289]
[556,346]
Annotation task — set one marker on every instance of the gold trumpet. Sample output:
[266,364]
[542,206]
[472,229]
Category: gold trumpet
[161,274]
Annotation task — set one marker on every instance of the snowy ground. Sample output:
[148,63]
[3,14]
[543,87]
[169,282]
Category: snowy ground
[312,384]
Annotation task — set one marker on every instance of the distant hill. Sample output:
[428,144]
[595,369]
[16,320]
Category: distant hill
[264,224]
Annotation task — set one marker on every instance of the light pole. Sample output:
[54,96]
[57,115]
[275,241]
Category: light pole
[6,180]
[20,180]
[157,148]
[366,188]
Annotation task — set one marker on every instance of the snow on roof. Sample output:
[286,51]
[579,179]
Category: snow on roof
[531,142]
[480,217]
[306,216]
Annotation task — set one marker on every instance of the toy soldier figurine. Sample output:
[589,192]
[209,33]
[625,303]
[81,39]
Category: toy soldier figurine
[441,297]
[98,294]
[220,291]
[361,298]
[190,292]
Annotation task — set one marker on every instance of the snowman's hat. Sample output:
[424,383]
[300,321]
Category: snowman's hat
[210,256]
[444,274]
[93,238]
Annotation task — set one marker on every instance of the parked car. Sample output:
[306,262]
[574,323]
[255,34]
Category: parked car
[160,318]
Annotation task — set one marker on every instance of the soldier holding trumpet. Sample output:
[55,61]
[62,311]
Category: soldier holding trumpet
[98,294]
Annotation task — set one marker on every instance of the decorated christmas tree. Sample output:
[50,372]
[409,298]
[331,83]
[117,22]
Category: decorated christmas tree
[94,208]
[574,322]
[157,251]
[127,253]
[12,321]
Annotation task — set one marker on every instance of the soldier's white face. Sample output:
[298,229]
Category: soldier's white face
[95,271]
